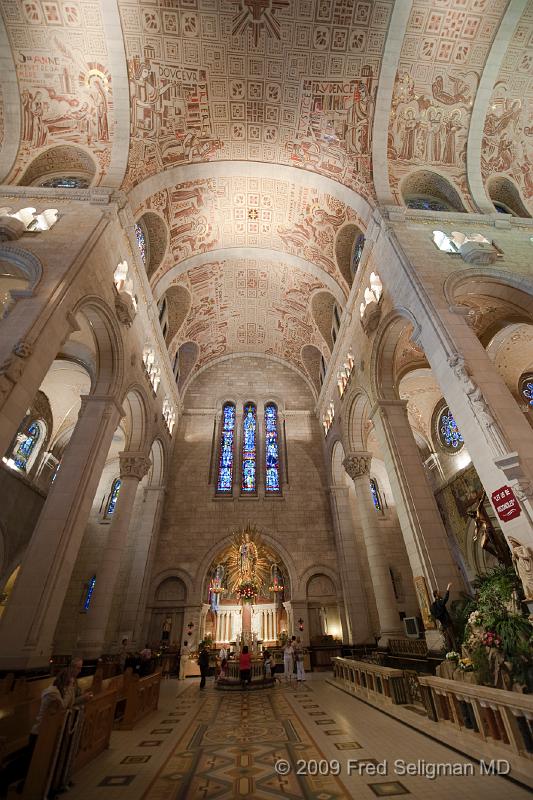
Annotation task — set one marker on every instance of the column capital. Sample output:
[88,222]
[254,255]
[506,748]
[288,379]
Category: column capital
[357,464]
[134,465]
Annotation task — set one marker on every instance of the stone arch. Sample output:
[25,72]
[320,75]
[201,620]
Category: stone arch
[171,589]
[319,569]
[502,190]
[202,572]
[156,236]
[428,185]
[172,574]
[338,473]
[311,358]
[187,354]
[135,405]
[108,342]
[178,306]
[60,161]
[354,420]
[383,378]
[513,293]
[157,473]
[20,274]
[322,303]
[346,242]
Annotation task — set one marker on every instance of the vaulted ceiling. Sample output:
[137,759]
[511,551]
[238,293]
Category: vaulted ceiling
[257,130]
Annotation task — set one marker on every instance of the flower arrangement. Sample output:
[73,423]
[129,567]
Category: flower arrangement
[247,591]
[491,639]
[466,665]
[453,655]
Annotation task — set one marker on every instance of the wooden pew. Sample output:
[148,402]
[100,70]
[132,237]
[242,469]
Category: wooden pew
[141,698]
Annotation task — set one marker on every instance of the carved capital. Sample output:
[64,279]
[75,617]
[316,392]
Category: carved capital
[23,349]
[134,465]
[357,464]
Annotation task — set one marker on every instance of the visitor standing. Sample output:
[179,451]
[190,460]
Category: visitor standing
[203,663]
[267,664]
[245,665]
[299,656]
[223,653]
[288,660]
[184,657]
[440,613]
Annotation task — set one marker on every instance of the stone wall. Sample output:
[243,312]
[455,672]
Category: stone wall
[195,521]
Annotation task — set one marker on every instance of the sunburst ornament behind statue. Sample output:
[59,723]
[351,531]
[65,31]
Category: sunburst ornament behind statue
[248,565]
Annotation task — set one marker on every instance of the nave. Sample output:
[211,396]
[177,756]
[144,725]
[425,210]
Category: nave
[214,744]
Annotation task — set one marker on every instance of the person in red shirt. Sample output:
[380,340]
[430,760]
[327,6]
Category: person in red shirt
[245,663]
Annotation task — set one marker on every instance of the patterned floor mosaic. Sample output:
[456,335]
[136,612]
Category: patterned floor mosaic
[231,749]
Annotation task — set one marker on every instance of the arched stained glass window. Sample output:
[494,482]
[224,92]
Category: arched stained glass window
[26,446]
[89,593]
[249,445]
[357,253]
[113,497]
[65,182]
[426,204]
[271,449]
[225,464]
[141,241]
[526,389]
[449,434]
[376,497]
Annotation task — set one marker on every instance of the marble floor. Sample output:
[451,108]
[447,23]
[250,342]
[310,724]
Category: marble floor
[213,744]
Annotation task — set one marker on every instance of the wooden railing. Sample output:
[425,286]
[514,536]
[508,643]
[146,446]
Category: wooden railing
[96,726]
[384,684]
[408,647]
[490,715]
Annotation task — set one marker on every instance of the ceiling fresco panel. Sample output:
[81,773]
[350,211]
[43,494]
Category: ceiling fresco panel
[65,84]
[443,54]
[507,144]
[243,305]
[263,80]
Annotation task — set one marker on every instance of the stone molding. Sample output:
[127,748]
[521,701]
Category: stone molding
[357,464]
[134,465]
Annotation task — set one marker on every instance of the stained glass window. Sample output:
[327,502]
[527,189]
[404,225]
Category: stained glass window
[89,593]
[113,497]
[141,241]
[376,497]
[271,449]
[357,253]
[225,464]
[449,434]
[426,204]
[66,182]
[26,447]
[249,429]
[526,388]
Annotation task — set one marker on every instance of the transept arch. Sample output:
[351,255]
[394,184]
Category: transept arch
[427,185]
[60,160]
[383,380]
[108,342]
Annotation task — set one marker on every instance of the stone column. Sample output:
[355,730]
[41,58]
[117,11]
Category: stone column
[494,428]
[356,617]
[427,542]
[139,578]
[357,465]
[133,468]
[299,611]
[29,621]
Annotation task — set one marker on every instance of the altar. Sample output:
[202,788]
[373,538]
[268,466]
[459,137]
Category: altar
[247,592]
